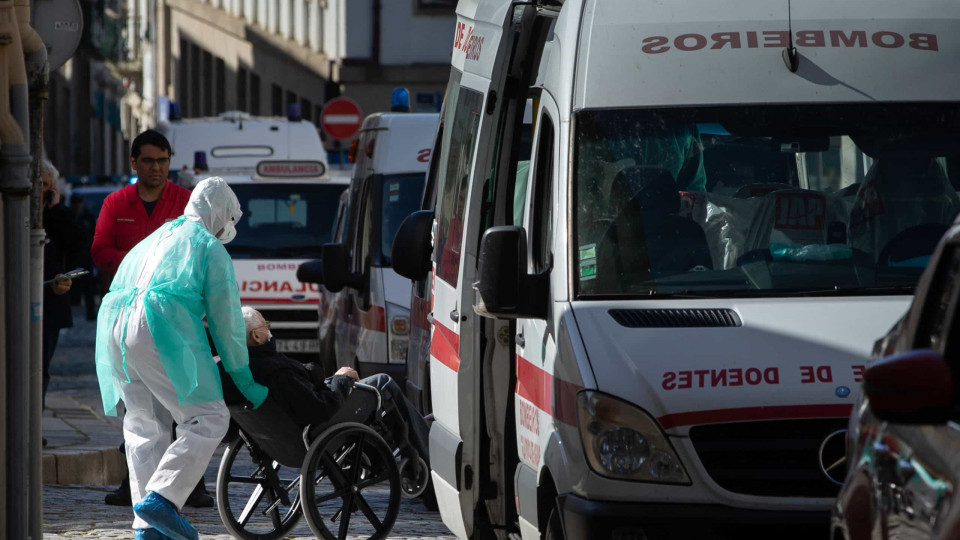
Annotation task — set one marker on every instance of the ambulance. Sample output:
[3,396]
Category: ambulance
[365,304]
[727,203]
[288,214]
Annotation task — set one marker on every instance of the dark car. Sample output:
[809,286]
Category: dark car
[903,442]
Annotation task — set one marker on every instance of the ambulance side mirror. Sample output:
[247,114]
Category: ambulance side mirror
[336,269]
[914,387]
[311,272]
[412,247]
[505,289]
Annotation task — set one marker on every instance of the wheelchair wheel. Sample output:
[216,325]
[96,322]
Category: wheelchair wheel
[350,485]
[414,476]
[258,499]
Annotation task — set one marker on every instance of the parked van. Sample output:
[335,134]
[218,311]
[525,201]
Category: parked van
[367,305]
[288,213]
[235,140]
[721,215]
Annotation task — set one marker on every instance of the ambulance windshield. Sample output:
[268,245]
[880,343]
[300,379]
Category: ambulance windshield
[284,220]
[777,200]
[402,194]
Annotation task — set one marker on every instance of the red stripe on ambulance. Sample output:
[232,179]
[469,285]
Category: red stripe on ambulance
[445,346]
[747,414]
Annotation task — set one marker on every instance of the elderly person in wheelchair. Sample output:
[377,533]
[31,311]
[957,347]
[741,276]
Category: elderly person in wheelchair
[314,446]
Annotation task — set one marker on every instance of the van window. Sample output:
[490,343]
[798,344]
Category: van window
[456,162]
[400,197]
[284,220]
[542,203]
[762,200]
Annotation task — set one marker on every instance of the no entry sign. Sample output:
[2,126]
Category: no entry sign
[341,118]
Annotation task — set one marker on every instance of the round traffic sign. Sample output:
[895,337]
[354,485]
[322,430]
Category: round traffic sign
[341,118]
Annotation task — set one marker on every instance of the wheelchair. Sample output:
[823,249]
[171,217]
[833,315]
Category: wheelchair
[273,473]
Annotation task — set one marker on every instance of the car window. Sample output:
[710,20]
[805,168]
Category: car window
[941,304]
[400,196]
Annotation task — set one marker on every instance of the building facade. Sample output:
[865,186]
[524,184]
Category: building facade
[258,56]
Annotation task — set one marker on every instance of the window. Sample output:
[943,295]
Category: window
[291,99]
[196,79]
[276,95]
[306,109]
[365,230]
[400,197]
[814,199]
[541,207]
[183,73]
[221,90]
[242,90]
[456,162]
[208,83]
[254,94]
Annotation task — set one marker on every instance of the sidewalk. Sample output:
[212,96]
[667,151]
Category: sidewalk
[82,443]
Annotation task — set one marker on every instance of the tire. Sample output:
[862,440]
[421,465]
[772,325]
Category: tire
[245,493]
[342,462]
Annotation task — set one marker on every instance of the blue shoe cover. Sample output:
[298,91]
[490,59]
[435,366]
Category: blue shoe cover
[162,515]
[149,534]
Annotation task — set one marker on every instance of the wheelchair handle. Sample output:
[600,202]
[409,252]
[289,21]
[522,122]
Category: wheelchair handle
[373,389]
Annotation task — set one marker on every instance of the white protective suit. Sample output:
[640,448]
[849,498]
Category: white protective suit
[167,295]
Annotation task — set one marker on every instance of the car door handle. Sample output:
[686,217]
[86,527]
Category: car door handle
[430,318]
[521,342]
[455,316]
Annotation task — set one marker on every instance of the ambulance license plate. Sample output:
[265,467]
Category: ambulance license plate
[298,346]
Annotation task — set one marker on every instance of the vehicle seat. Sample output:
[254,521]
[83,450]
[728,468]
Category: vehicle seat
[648,237]
[898,194]
[794,216]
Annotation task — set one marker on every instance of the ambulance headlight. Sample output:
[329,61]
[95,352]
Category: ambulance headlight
[621,441]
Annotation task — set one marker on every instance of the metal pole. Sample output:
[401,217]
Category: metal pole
[15,188]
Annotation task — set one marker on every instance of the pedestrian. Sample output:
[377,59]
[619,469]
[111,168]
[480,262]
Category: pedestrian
[63,239]
[153,353]
[85,288]
[127,216]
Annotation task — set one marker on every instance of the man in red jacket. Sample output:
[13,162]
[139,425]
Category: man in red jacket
[132,213]
[127,217]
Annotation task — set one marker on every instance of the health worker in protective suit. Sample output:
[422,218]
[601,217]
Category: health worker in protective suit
[153,353]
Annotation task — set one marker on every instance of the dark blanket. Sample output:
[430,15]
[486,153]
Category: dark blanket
[299,389]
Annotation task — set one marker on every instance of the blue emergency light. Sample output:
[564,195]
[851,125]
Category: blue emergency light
[200,161]
[400,100]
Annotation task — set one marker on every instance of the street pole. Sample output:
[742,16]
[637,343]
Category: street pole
[38,80]
[15,189]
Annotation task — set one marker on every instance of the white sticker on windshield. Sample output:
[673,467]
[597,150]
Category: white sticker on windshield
[394,189]
[588,262]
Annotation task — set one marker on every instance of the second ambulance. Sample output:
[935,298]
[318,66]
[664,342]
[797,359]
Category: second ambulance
[723,212]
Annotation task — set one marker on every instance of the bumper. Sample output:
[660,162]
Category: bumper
[583,518]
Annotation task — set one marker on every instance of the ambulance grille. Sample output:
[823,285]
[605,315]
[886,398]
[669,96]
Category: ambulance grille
[676,318]
[778,458]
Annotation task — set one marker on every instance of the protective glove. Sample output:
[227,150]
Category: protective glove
[255,393]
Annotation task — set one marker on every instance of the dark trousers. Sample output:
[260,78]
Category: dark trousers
[417,429]
[50,338]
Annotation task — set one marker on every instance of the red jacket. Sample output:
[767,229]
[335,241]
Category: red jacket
[123,222]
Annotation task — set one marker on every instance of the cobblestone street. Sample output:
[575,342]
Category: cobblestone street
[76,430]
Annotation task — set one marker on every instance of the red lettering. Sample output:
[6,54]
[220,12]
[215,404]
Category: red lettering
[776,38]
[699,42]
[314,288]
[718,378]
[753,376]
[858,373]
[771,375]
[668,379]
[256,286]
[286,287]
[810,38]
[243,285]
[879,41]
[752,40]
[701,373]
[856,38]
[924,42]
[726,38]
[655,44]
[270,286]
[684,379]
[736,377]
[825,374]
[423,156]
[806,374]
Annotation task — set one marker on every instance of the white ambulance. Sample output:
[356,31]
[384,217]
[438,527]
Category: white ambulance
[288,213]
[726,206]
[366,304]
